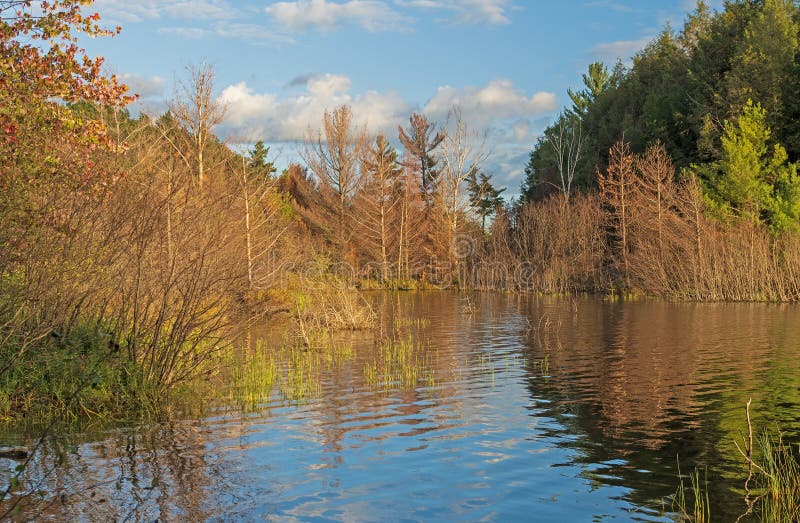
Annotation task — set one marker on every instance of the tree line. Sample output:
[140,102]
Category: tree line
[694,147]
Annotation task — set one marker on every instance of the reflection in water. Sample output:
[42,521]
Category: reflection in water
[540,408]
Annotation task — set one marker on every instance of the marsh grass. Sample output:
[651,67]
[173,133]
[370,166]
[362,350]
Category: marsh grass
[400,363]
[772,484]
[419,323]
[70,378]
[775,495]
[692,503]
[295,372]
[253,377]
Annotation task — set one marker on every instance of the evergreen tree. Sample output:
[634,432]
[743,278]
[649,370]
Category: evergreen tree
[595,81]
[484,197]
[420,140]
[258,161]
[752,179]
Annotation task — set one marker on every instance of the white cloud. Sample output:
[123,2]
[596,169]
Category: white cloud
[372,15]
[622,49]
[264,116]
[193,33]
[492,12]
[251,33]
[498,107]
[497,100]
[145,86]
[613,6]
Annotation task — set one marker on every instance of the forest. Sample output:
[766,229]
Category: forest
[138,245]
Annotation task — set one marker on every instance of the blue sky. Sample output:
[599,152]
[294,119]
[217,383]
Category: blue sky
[506,63]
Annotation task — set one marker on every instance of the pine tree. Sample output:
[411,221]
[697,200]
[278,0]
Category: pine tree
[420,140]
[484,197]
[752,179]
[595,81]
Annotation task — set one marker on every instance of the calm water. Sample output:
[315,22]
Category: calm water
[531,409]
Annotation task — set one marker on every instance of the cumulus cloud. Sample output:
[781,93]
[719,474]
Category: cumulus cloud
[492,12]
[251,33]
[264,116]
[622,49]
[372,15]
[145,86]
[497,100]
[498,107]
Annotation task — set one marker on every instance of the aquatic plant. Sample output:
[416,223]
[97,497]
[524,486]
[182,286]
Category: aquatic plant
[399,363]
[772,486]
[692,504]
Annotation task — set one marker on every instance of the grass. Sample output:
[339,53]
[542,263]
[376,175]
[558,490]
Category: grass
[399,363]
[777,480]
[692,503]
[294,371]
[75,377]
[253,378]
[772,484]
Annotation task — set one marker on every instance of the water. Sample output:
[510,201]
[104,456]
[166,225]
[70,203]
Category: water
[534,409]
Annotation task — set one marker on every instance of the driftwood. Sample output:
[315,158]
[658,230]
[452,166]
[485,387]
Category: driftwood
[17,454]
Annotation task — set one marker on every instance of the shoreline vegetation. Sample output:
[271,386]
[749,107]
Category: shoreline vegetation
[771,487]
[133,248]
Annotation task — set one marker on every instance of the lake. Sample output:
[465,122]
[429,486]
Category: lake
[524,408]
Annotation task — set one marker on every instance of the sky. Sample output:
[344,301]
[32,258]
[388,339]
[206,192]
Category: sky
[279,64]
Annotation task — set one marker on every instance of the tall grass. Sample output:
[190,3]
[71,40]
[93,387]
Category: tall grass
[399,363]
[692,503]
[772,484]
[777,481]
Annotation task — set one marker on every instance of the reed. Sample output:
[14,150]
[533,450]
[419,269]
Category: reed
[399,363]
[692,503]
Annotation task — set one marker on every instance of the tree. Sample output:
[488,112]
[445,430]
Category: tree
[462,154]
[595,82]
[617,188]
[657,188]
[196,110]
[567,144]
[258,161]
[765,59]
[333,155]
[379,197]
[484,198]
[541,176]
[263,227]
[752,179]
[420,141]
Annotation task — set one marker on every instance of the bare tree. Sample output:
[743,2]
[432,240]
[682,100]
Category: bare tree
[657,188]
[196,110]
[379,197]
[567,144]
[333,155]
[617,188]
[462,154]
[263,227]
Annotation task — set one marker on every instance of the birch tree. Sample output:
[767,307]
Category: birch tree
[196,110]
